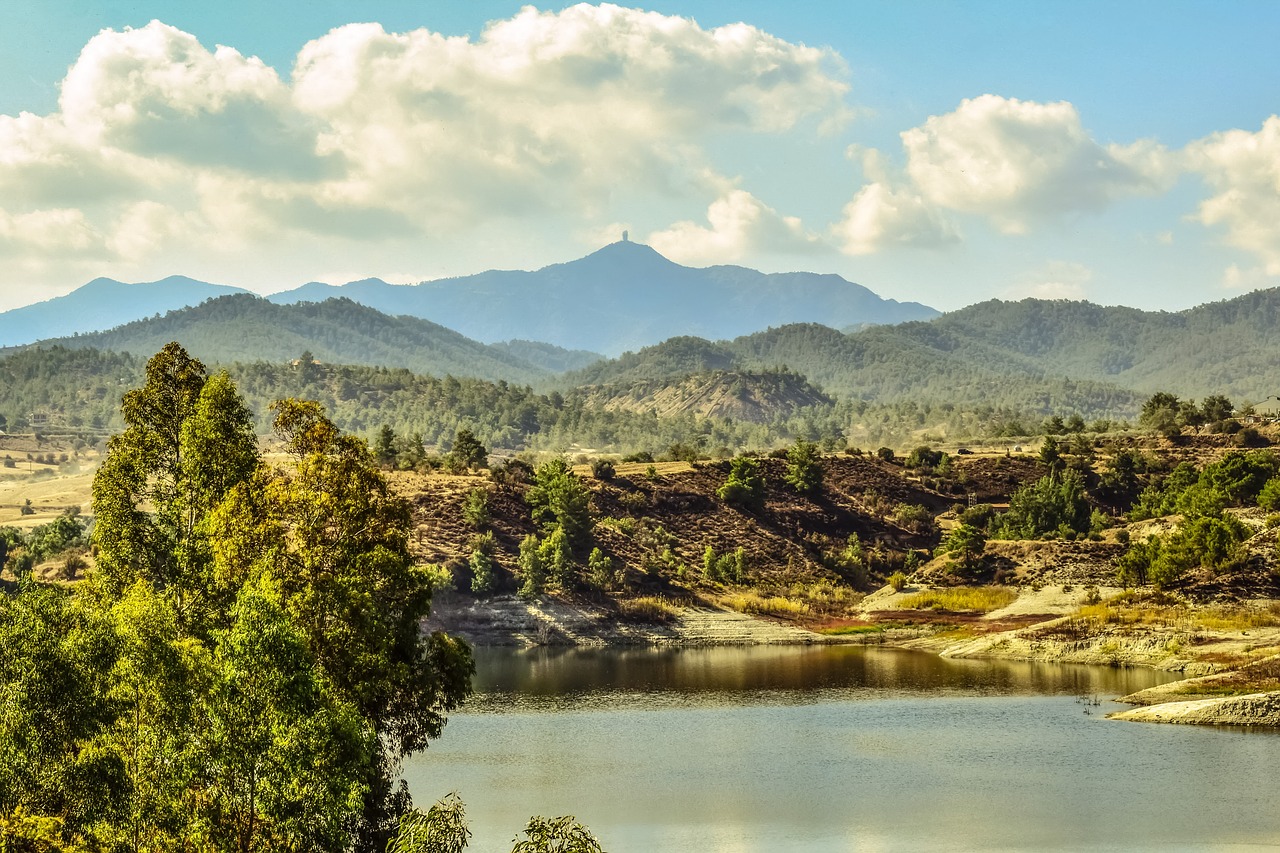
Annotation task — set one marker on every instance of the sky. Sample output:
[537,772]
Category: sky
[940,152]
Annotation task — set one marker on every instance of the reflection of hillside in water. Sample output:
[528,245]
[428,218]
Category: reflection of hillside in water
[548,679]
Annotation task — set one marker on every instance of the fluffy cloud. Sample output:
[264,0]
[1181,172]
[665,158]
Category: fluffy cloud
[1016,162]
[1243,171]
[161,142]
[739,223]
[882,216]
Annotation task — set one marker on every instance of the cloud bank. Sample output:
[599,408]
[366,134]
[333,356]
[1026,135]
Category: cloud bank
[161,141]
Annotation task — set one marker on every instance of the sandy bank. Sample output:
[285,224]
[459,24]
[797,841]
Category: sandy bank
[1254,709]
[512,621]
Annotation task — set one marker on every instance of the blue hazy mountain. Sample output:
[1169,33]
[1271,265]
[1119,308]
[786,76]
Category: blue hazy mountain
[622,297]
[102,304]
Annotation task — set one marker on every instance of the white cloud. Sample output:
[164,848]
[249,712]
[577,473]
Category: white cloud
[161,144]
[1017,162]
[1054,280]
[882,216]
[1235,277]
[1243,171]
[739,224]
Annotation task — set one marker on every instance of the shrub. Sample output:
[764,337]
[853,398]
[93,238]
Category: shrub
[600,572]
[897,581]
[885,453]
[744,486]
[531,568]
[603,470]
[475,509]
[482,579]
[804,468]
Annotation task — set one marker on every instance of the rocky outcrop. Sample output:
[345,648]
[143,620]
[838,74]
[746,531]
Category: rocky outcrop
[512,621]
[1254,709]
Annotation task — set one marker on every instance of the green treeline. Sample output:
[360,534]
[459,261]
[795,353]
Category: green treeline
[244,670]
[81,389]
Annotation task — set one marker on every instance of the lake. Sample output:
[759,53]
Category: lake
[840,748]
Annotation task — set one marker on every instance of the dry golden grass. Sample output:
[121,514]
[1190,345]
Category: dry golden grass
[648,608]
[1216,618]
[972,599]
[775,605]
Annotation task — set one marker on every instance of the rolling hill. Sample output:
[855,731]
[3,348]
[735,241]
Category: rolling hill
[102,304]
[244,328]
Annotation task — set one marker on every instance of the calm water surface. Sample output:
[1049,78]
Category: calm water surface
[840,749]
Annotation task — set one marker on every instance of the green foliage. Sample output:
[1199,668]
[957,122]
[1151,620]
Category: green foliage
[978,515]
[885,453]
[467,453]
[556,835]
[48,540]
[924,457]
[729,567]
[384,448]
[744,486]
[440,829]
[531,568]
[897,581]
[556,557]
[603,470]
[475,508]
[915,518]
[188,442]
[246,671]
[482,579]
[1238,479]
[804,468]
[1269,496]
[1211,543]
[600,571]
[559,500]
[967,543]
[1053,505]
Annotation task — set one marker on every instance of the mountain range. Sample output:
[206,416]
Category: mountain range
[1028,356]
[102,304]
[624,296]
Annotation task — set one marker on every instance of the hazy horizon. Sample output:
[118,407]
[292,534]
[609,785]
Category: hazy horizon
[943,153]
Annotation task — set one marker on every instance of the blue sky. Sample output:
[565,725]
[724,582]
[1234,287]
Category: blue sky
[939,152]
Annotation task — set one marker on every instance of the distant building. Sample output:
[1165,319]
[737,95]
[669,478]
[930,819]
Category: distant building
[626,236]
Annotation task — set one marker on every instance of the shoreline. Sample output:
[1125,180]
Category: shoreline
[547,621]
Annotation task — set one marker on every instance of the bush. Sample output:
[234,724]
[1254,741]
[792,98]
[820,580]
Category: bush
[897,581]
[600,572]
[475,509]
[804,468]
[603,470]
[885,453]
[744,486]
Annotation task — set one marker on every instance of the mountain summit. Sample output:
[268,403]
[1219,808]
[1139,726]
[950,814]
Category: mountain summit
[623,296]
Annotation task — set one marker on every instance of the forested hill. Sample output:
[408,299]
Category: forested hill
[101,304]
[1230,347]
[247,328]
[1030,354]
[892,370]
[623,296]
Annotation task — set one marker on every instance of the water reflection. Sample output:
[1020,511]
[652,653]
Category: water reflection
[830,750]
[548,679]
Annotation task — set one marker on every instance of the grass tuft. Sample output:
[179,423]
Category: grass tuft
[979,599]
[775,605]
[648,609]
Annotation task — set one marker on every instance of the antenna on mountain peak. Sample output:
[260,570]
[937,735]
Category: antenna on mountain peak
[626,236]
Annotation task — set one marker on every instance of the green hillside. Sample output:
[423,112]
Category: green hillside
[243,327]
